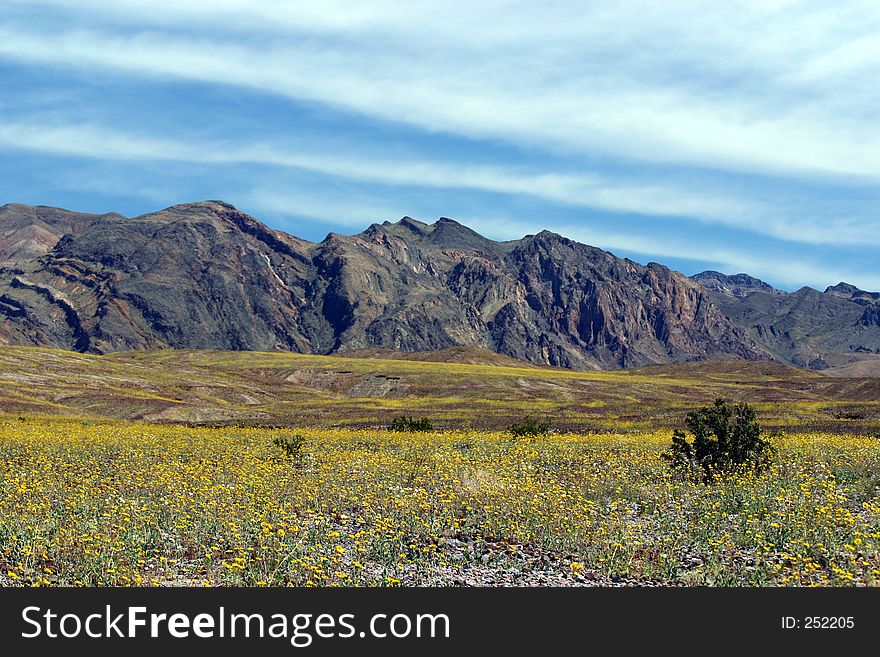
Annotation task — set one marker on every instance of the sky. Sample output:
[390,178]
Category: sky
[736,136]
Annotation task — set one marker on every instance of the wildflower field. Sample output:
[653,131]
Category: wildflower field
[101,502]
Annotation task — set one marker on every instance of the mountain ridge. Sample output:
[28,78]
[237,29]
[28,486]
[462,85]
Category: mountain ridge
[206,275]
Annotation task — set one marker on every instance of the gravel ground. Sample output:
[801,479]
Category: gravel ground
[470,563]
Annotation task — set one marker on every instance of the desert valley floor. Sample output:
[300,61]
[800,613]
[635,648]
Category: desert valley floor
[240,468]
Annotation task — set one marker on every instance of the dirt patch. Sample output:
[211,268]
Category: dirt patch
[332,380]
[191,414]
[379,385]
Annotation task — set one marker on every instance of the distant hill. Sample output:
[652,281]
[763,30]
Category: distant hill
[208,276]
[284,389]
[737,285]
[806,328]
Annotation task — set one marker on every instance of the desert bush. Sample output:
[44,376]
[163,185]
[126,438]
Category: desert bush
[529,427]
[404,423]
[726,438]
[290,446]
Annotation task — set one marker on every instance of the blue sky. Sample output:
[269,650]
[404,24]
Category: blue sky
[738,136]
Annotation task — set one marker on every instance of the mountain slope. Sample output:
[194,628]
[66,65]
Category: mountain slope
[200,275]
[29,232]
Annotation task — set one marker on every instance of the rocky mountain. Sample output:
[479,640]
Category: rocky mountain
[205,275]
[806,328]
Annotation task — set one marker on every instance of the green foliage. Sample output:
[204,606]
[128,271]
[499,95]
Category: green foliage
[529,427]
[291,446]
[726,438]
[405,423]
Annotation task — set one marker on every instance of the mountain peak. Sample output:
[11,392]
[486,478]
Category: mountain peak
[413,225]
[210,205]
[546,238]
[852,293]
[445,233]
[450,234]
[734,285]
[843,289]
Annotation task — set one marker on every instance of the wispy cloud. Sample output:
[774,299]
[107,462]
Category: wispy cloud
[581,190]
[590,190]
[567,98]
[354,212]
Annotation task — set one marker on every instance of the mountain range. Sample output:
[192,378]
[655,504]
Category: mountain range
[208,276]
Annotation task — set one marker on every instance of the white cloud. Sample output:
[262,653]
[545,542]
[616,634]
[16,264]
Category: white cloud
[325,204]
[580,190]
[637,81]
[321,205]
[587,189]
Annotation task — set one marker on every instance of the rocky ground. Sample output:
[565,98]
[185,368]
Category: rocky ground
[482,563]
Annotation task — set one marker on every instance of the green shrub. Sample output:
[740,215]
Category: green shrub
[404,423]
[291,446]
[726,438]
[529,427]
